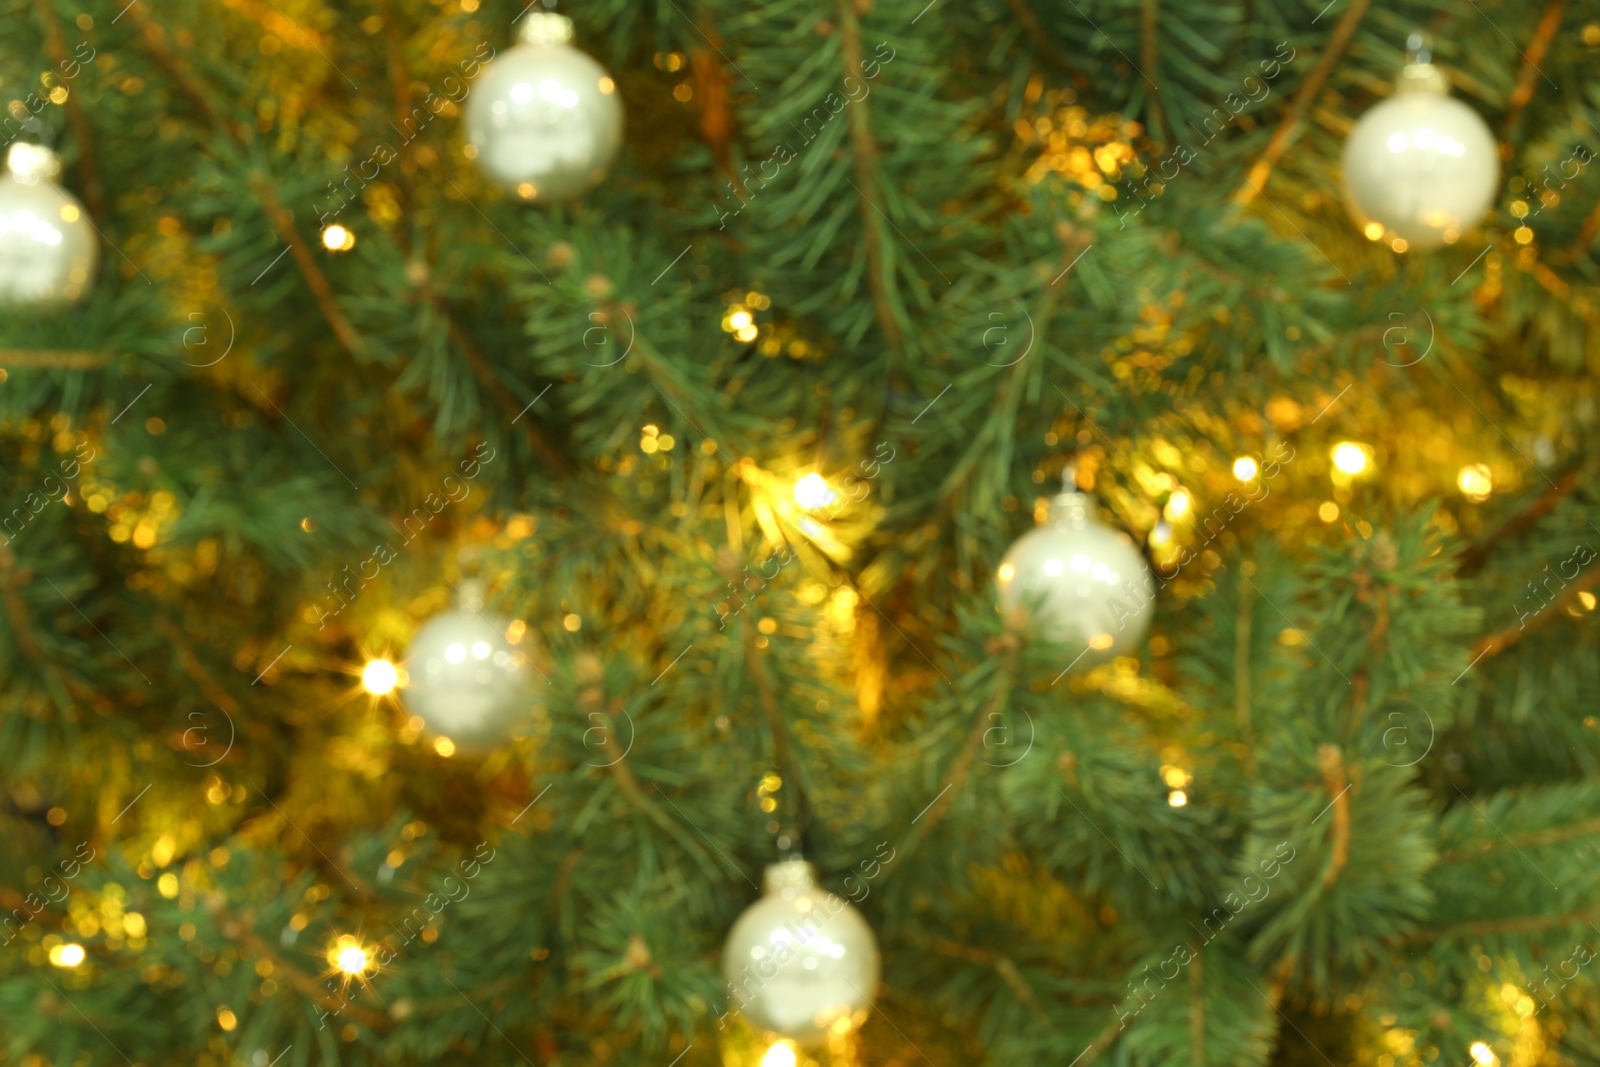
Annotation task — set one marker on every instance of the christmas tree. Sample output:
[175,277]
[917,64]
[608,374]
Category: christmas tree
[701,449]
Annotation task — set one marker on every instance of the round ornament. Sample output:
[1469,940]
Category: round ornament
[1420,167]
[48,250]
[545,118]
[1078,581]
[800,962]
[466,681]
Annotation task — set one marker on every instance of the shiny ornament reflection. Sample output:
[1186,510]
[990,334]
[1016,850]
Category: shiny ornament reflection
[48,250]
[1078,582]
[545,118]
[1420,168]
[800,962]
[466,682]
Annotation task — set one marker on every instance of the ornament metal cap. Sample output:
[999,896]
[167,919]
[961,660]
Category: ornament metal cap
[545,29]
[1419,74]
[30,162]
[788,875]
[1071,508]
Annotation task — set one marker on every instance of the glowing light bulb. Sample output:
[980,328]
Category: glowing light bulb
[1007,572]
[740,320]
[1483,1054]
[1177,798]
[779,1055]
[1476,482]
[379,676]
[348,957]
[68,955]
[444,746]
[813,491]
[1245,468]
[336,238]
[1178,504]
[1349,457]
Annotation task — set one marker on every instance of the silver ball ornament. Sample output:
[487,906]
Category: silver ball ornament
[48,250]
[545,118]
[800,962]
[1078,582]
[1421,166]
[466,681]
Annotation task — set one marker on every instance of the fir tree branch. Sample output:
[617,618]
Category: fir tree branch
[242,932]
[283,221]
[1197,1011]
[1529,76]
[1102,1041]
[1475,555]
[1330,761]
[1531,839]
[54,358]
[89,174]
[1150,13]
[1256,181]
[202,678]
[1002,965]
[486,377]
[400,89]
[153,38]
[12,578]
[782,745]
[866,168]
[1041,39]
[1241,670]
[1521,924]
[1497,643]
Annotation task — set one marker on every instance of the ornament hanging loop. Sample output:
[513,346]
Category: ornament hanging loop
[1419,49]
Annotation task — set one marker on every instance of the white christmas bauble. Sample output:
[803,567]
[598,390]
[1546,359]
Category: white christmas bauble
[800,962]
[1420,166]
[466,681]
[545,118]
[48,250]
[1078,582]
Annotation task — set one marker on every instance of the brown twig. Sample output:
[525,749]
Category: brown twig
[1536,837]
[1529,76]
[400,90]
[1041,38]
[1331,763]
[202,678]
[154,41]
[716,114]
[54,358]
[1475,555]
[55,46]
[1149,20]
[1256,181]
[1497,643]
[1521,924]
[283,221]
[487,379]
[12,579]
[1101,1042]
[239,930]
[866,158]
[1002,965]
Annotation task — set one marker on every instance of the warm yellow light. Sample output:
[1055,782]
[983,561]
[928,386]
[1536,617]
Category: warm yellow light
[351,960]
[1588,600]
[444,746]
[1178,504]
[1245,468]
[1349,457]
[227,1019]
[68,955]
[1177,798]
[779,1055]
[1175,777]
[1328,511]
[379,677]
[336,238]
[1373,230]
[1483,1054]
[1007,572]
[1101,642]
[740,320]
[1400,244]
[812,491]
[1475,481]
[746,334]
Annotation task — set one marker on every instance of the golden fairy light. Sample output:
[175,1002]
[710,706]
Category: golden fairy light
[1245,468]
[1177,798]
[336,238]
[348,957]
[379,677]
[68,955]
[1483,1054]
[781,1054]
[813,491]
[1178,504]
[1350,457]
[1475,482]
